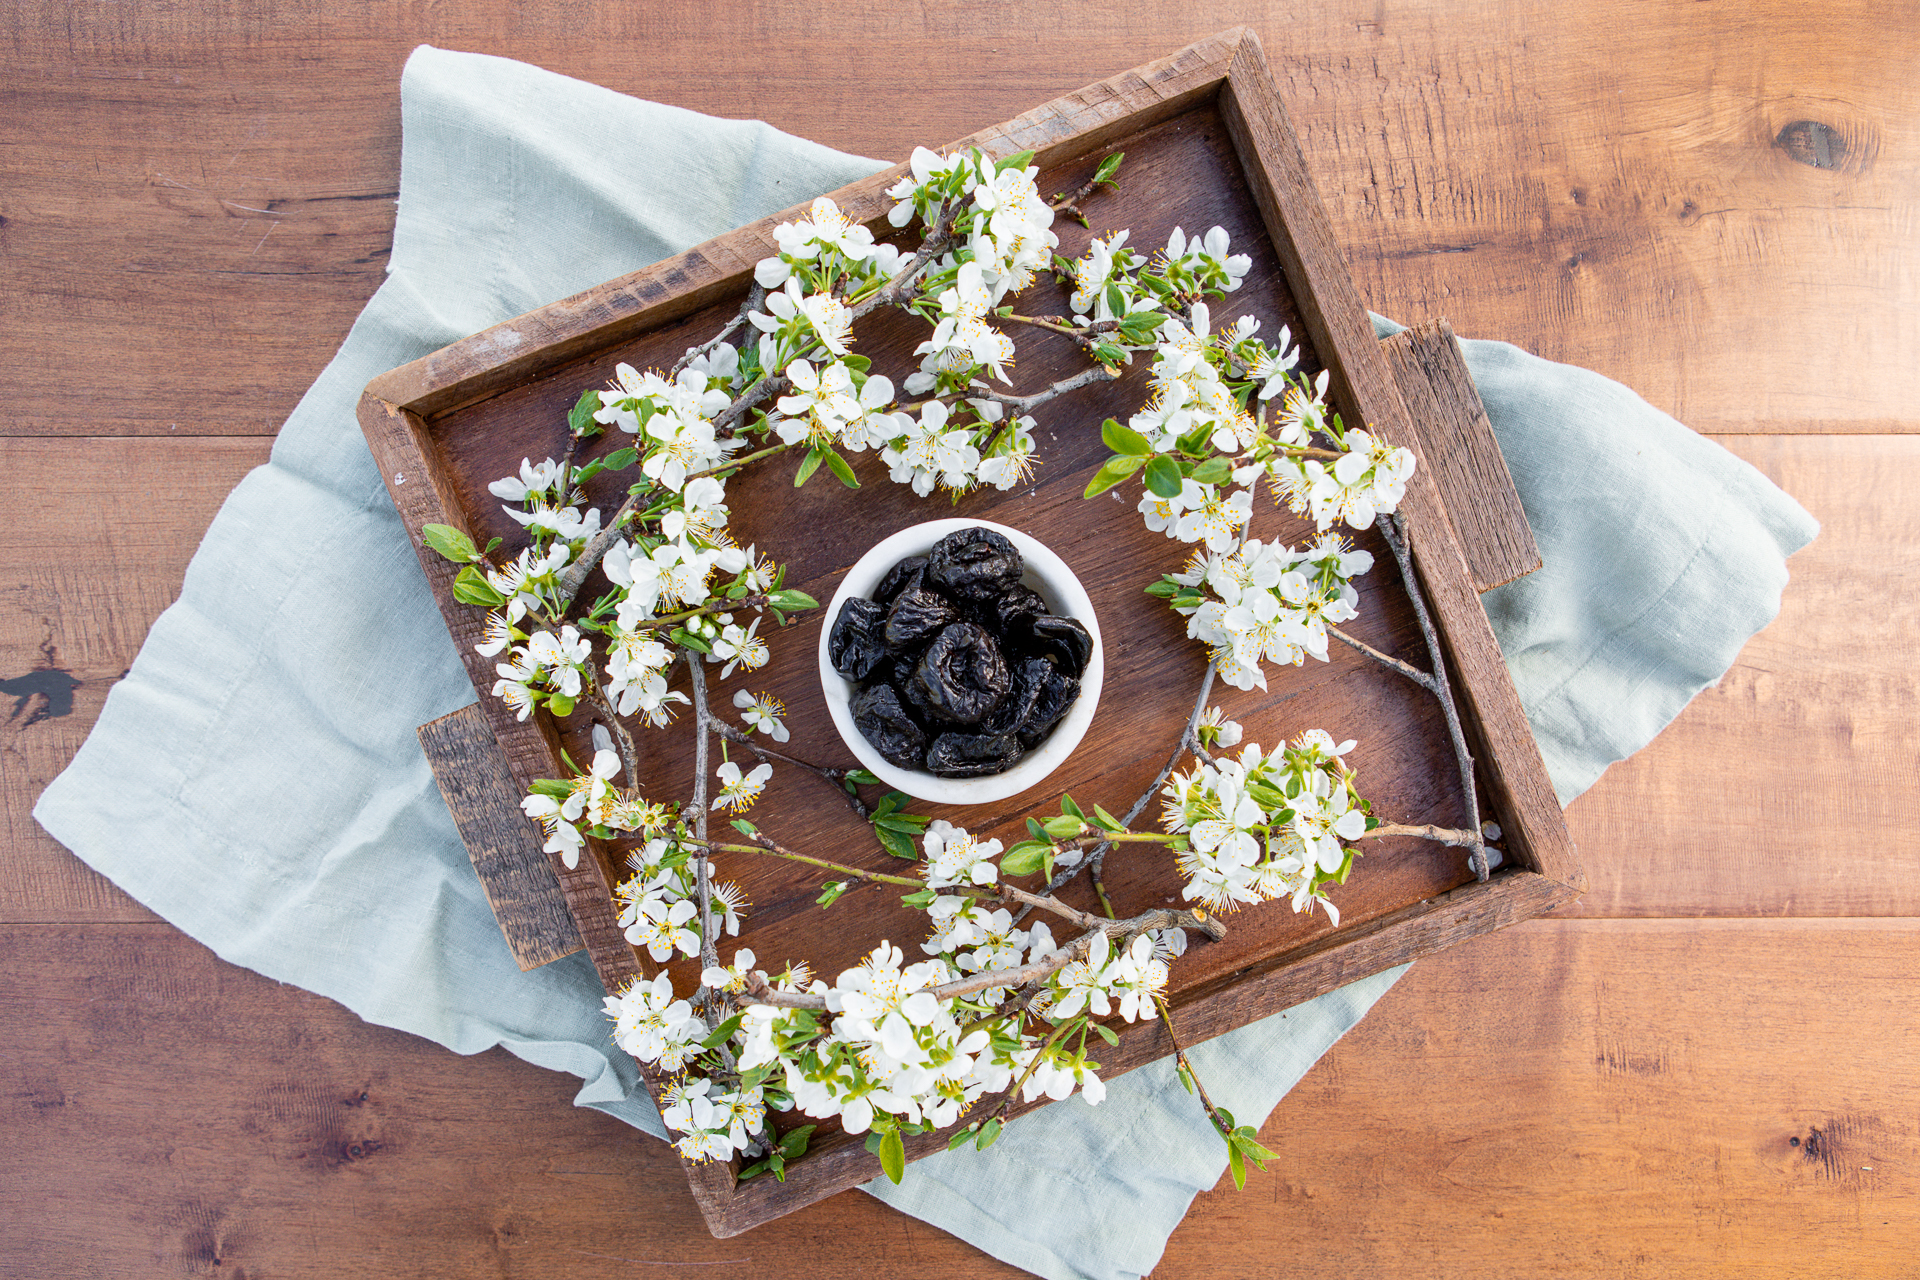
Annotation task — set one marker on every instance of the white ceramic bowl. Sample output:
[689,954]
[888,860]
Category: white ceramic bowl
[1047,574]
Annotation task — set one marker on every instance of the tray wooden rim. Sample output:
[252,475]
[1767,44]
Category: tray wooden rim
[396,409]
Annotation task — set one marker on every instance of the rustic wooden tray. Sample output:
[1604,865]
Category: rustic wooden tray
[1207,143]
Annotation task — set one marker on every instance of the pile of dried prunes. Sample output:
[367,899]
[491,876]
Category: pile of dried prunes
[961,669]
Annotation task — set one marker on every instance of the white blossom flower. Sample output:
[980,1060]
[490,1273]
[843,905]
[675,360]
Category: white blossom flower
[761,712]
[956,858]
[532,482]
[739,646]
[662,927]
[738,791]
[647,1019]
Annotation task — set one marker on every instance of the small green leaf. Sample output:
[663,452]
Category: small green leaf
[989,1134]
[745,828]
[620,459]
[1108,167]
[893,1157]
[962,1137]
[1035,830]
[1116,469]
[1024,858]
[896,844]
[918,901]
[1234,1161]
[1106,1032]
[722,1033]
[838,465]
[1107,820]
[830,892]
[470,586]
[1165,589]
[1163,477]
[1214,470]
[808,465]
[910,823]
[753,1170]
[554,787]
[580,417]
[449,542]
[1068,806]
[682,636]
[1064,827]
[1018,160]
[1123,439]
[794,1144]
[560,704]
[860,776]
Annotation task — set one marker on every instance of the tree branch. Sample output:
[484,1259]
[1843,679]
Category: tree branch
[1414,674]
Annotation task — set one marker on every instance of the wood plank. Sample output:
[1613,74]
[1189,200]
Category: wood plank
[96,547]
[1594,1125]
[1603,1098]
[505,847]
[1789,789]
[1468,469]
[213,190]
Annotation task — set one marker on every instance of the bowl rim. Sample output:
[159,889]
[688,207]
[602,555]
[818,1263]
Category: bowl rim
[1057,584]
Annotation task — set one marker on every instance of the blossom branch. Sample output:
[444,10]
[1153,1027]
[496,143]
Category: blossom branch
[1393,529]
[835,778]
[1439,835]
[1412,673]
[756,298]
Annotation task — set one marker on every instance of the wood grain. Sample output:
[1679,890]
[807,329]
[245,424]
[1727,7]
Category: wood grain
[1618,186]
[1807,745]
[1629,1106]
[1468,469]
[504,846]
[97,540]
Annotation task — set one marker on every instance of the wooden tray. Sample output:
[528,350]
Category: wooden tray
[1207,143]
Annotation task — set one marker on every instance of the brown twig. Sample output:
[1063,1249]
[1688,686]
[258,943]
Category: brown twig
[835,778]
[1412,673]
[1393,529]
[756,298]
[1186,1067]
[1439,835]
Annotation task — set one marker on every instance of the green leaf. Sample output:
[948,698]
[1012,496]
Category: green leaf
[1064,827]
[682,636]
[1123,439]
[1214,470]
[554,787]
[1024,858]
[830,892]
[1248,1141]
[893,1157]
[918,901]
[910,823]
[1108,167]
[794,1144]
[989,1134]
[793,601]
[838,465]
[1018,160]
[1107,820]
[470,586]
[620,459]
[1068,806]
[580,417]
[896,844]
[1107,353]
[1116,469]
[1186,1079]
[1235,1161]
[560,705]
[1163,477]
[721,1033]
[745,828]
[753,1170]
[1105,1032]
[962,1137]
[1035,830]
[449,542]
[1166,589]
[808,465]
[860,776]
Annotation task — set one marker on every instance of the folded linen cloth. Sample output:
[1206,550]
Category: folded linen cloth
[305,648]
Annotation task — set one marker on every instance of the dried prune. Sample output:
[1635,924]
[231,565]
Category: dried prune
[1029,677]
[881,719]
[974,565]
[1001,613]
[855,644]
[898,578]
[1062,639]
[917,616]
[972,755]
[1055,697]
[961,675]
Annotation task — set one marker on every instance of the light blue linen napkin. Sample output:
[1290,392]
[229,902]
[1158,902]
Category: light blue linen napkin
[255,778]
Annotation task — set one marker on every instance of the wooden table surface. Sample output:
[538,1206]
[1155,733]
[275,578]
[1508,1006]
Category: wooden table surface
[1707,1066]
